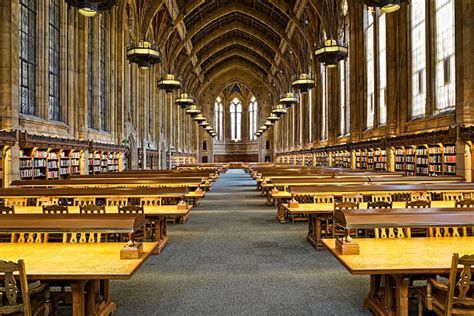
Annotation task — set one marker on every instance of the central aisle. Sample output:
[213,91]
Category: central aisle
[233,257]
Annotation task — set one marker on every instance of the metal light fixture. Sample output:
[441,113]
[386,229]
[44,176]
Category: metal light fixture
[199,118]
[279,110]
[89,8]
[264,127]
[288,100]
[144,54]
[169,83]
[273,118]
[268,123]
[331,53]
[303,83]
[258,134]
[184,100]
[386,6]
[204,123]
[193,110]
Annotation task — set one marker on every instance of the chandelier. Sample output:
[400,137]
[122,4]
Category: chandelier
[386,6]
[89,8]
[303,83]
[289,100]
[193,110]
[279,110]
[144,54]
[184,100]
[169,83]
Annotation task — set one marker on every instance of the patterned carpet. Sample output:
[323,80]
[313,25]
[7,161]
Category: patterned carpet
[233,258]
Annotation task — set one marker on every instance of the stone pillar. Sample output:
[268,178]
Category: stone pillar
[9,49]
[305,118]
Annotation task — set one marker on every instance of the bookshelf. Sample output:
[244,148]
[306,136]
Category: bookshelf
[449,159]
[36,163]
[299,159]
[400,165]
[422,159]
[370,159]
[308,160]
[322,159]
[75,162]
[380,159]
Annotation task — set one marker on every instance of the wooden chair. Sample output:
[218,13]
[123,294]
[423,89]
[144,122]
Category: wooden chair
[454,298]
[117,202]
[82,238]
[16,202]
[55,209]
[92,209]
[452,196]
[84,201]
[135,209]
[447,232]
[386,197]
[386,232]
[150,201]
[29,238]
[418,204]
[354,198]
[323,199]
[6,210]
[339,230]
[34,299]
[422,195]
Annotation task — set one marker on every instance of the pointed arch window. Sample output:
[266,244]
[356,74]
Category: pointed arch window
[235,119]
[27,62]
[54,60]
[102,71]
[218,118]
[370,64]
[418,53]
[253,118]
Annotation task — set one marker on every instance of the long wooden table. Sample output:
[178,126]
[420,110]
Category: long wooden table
[155,213]
[391,262]
[317,212]
[83,266]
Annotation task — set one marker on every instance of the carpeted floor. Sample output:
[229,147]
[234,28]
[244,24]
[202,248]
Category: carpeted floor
[233,257]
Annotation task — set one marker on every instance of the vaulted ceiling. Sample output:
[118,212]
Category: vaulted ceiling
[200,39]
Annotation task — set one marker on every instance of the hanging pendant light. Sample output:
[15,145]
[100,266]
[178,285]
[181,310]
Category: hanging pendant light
[264,127]
[193,110]
[331,53]
[268,123]
[184,100]
[204,123]
[144,54]
[89,8]
[208,128]
[289,100]
[279,110]
[303,83]
[258,134]
[169,83]
[386,6]
[199,118]
[273,118]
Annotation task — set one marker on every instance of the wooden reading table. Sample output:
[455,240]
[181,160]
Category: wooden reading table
[83,266]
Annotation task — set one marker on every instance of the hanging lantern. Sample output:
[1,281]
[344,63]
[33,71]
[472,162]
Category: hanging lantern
[89,8]
[258,134]
[169,83]
[199,118]
[273,118]
[268,123]
[331,53]
[264,127]
[303,83]
[144,54]
[386,6]
[279,110]
[184,100]
[208,128]
[193,110]
[288,100]
[204,124]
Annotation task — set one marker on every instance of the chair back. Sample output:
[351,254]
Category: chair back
[418,204]
[346,206]
[29,238]
[92,209]
[465,203]
[355,198]
[6,210]
[452,196]
[380,204]
[131,209]
[323,199]
[55,209]
[82,238]
[460,293]
[385,197]
[11,292]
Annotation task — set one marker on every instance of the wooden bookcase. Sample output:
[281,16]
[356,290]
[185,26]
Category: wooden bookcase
[380,159]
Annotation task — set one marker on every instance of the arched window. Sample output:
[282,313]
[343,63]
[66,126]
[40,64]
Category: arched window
[218,118]
[54,60]
[253,118]
[235,119]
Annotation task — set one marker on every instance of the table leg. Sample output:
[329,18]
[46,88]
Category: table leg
[78,300]
[314,231]
[161,234]
[281,214]
[401,288]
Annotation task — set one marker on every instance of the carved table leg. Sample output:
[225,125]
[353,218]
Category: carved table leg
[401,285]
[314,231]
[78,299]
[161,234]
